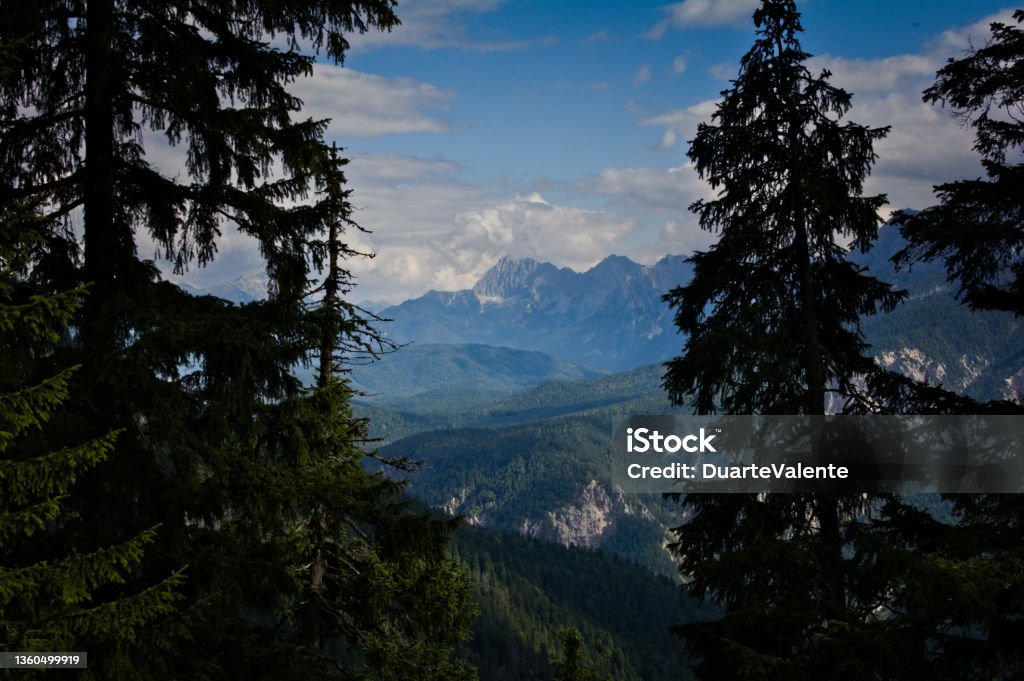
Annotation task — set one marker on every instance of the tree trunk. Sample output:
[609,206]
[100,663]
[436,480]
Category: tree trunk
[98,184]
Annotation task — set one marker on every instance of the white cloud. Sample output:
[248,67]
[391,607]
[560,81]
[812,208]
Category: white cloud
[530,226]
[599,37]
[953,42]
[684,236]
[642,75]
[926,146]
[668,139]
[440,24]
[451,249]
[679,237]
[648,189]
[408,204]
[898,73]
[365,105]
[876,75]
[685,121]
[430,230]
[679,65]
[704,14]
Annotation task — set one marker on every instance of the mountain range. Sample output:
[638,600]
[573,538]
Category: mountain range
[612,318]
[609,317]
[505,391]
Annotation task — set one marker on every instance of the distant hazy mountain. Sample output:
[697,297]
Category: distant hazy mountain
[609,317]
[240,290]
[430,377]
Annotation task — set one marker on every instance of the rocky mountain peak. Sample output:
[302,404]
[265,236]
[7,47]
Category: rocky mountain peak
[615,265]
[506,277]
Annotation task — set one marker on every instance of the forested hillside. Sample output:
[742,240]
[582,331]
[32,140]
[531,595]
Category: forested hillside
[934,338]
[636,390]
[437,378]
[538,463]
[527,590]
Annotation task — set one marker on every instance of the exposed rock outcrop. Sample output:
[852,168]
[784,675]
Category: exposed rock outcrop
[589,519]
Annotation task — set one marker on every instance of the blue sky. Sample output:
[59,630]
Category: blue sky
[558,130]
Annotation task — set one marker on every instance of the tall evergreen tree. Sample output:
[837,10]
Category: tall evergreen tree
[376,579]
[978,227]
[772,323]
[50,593]
[213,445]
[977,230]
[570,666]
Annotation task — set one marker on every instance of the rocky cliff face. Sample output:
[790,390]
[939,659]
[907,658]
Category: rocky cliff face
[963,374]
[588,519]
[1014,388]
[913,363]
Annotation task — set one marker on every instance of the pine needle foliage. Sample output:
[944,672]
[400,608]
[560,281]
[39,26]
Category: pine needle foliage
[54,597]
[376,575]
[771,315]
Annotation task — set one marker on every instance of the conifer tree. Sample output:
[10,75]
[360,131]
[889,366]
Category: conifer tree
[978,227]
[570,666]
[377,578]
[50,593]
[972,605]
[772,323]
[215,441]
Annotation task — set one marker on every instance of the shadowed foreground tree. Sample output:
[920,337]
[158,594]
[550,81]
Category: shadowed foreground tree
[772,324]
[246,472]
[50,592]
[377,576]
[978,227]
[976,612]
